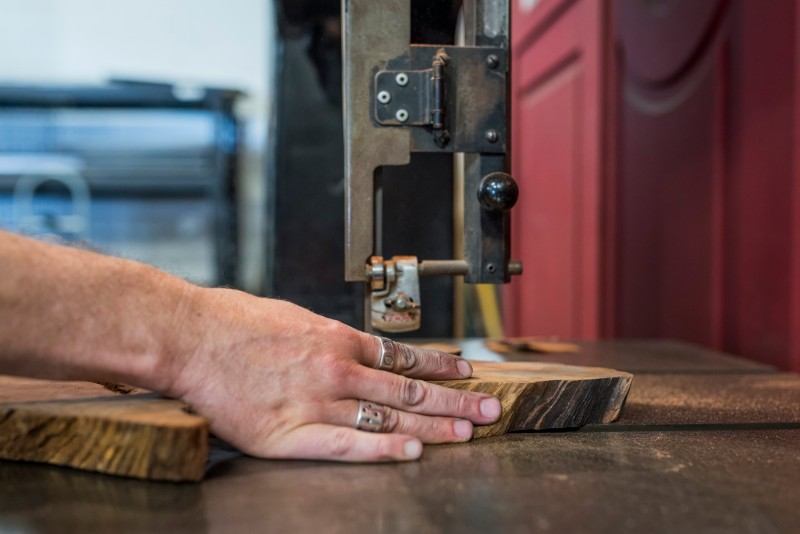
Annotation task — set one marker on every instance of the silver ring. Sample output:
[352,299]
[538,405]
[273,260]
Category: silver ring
[370,417]
[387,355]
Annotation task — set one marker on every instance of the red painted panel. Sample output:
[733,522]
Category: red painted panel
[706,183]
[794,322]
[759,222]
[557,119]
[668,35]
[531,18]
[547,213]
[661,186]
[668,200]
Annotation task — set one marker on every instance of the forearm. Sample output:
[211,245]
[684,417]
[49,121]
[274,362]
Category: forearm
[70,314]
[272,378]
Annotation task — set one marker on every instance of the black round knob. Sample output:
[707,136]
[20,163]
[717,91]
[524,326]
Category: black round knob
[498,192]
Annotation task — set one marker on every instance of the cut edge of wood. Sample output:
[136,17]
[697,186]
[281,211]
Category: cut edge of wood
[27,433]
[517,417]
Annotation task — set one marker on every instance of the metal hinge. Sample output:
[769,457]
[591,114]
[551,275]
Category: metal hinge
[453,98]
[412,97]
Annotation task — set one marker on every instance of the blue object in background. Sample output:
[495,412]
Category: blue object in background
[135,170]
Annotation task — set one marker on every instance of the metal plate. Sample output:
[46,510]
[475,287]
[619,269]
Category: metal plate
[649,356]
[475,97]
[724,477]
[371,36]
[413,98]
[729,399]
[616,482]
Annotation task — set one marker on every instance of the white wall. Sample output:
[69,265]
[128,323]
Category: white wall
[216,42]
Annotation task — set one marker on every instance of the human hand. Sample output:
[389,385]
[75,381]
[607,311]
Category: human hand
[278,381]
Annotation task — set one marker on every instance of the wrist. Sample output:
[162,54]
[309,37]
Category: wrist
[179,330]
[154,311]
[192,337]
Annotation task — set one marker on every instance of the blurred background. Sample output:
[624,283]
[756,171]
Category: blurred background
[140,129]
[654,142]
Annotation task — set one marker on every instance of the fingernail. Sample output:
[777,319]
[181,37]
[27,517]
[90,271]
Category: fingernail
[463,430]
[412,449]
[491,408]
[464,368]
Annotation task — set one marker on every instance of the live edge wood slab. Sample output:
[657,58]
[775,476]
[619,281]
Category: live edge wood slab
[88,427]
[143,436]
[544,396]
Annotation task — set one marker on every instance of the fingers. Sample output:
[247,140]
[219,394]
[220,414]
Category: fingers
[421,397]
[413,361]
[338,443]
[426,428]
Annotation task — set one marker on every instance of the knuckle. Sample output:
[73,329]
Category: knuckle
[340,443]
[443,430]
[445,362]
[413,392]
[431,427]
[391,421]
[349,337]
[463,403]
[337,369]
[408,357]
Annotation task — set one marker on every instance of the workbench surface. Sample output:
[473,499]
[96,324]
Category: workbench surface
[712,446]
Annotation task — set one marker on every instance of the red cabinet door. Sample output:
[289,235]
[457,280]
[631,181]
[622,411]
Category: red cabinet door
[671,127]
[656,147]
[559,73]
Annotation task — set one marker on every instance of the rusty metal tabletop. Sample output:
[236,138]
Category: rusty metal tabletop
[713,446]
[634,356]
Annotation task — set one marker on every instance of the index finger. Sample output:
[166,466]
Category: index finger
[410,361]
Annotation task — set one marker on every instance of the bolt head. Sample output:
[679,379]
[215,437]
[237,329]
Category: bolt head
[493,61]
[384,97]
[401,115]
[401,79]
[492,136]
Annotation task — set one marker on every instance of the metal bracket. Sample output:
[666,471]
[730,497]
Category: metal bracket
[395,304]
[413,97]
[453,98]
[402,98]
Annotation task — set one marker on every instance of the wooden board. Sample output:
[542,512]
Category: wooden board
[541,396]
[86,426]
[140,435]
[441,347]
[531,344]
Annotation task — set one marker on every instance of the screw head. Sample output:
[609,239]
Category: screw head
[401,115]
[401,79]
[441,138]
[492,136]
[384,97]
[400,304]
[490,267]
[492,61]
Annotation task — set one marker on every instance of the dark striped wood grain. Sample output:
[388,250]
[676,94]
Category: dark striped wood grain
[87,427]
[544,396]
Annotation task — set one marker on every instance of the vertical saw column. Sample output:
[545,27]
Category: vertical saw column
[402,98]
